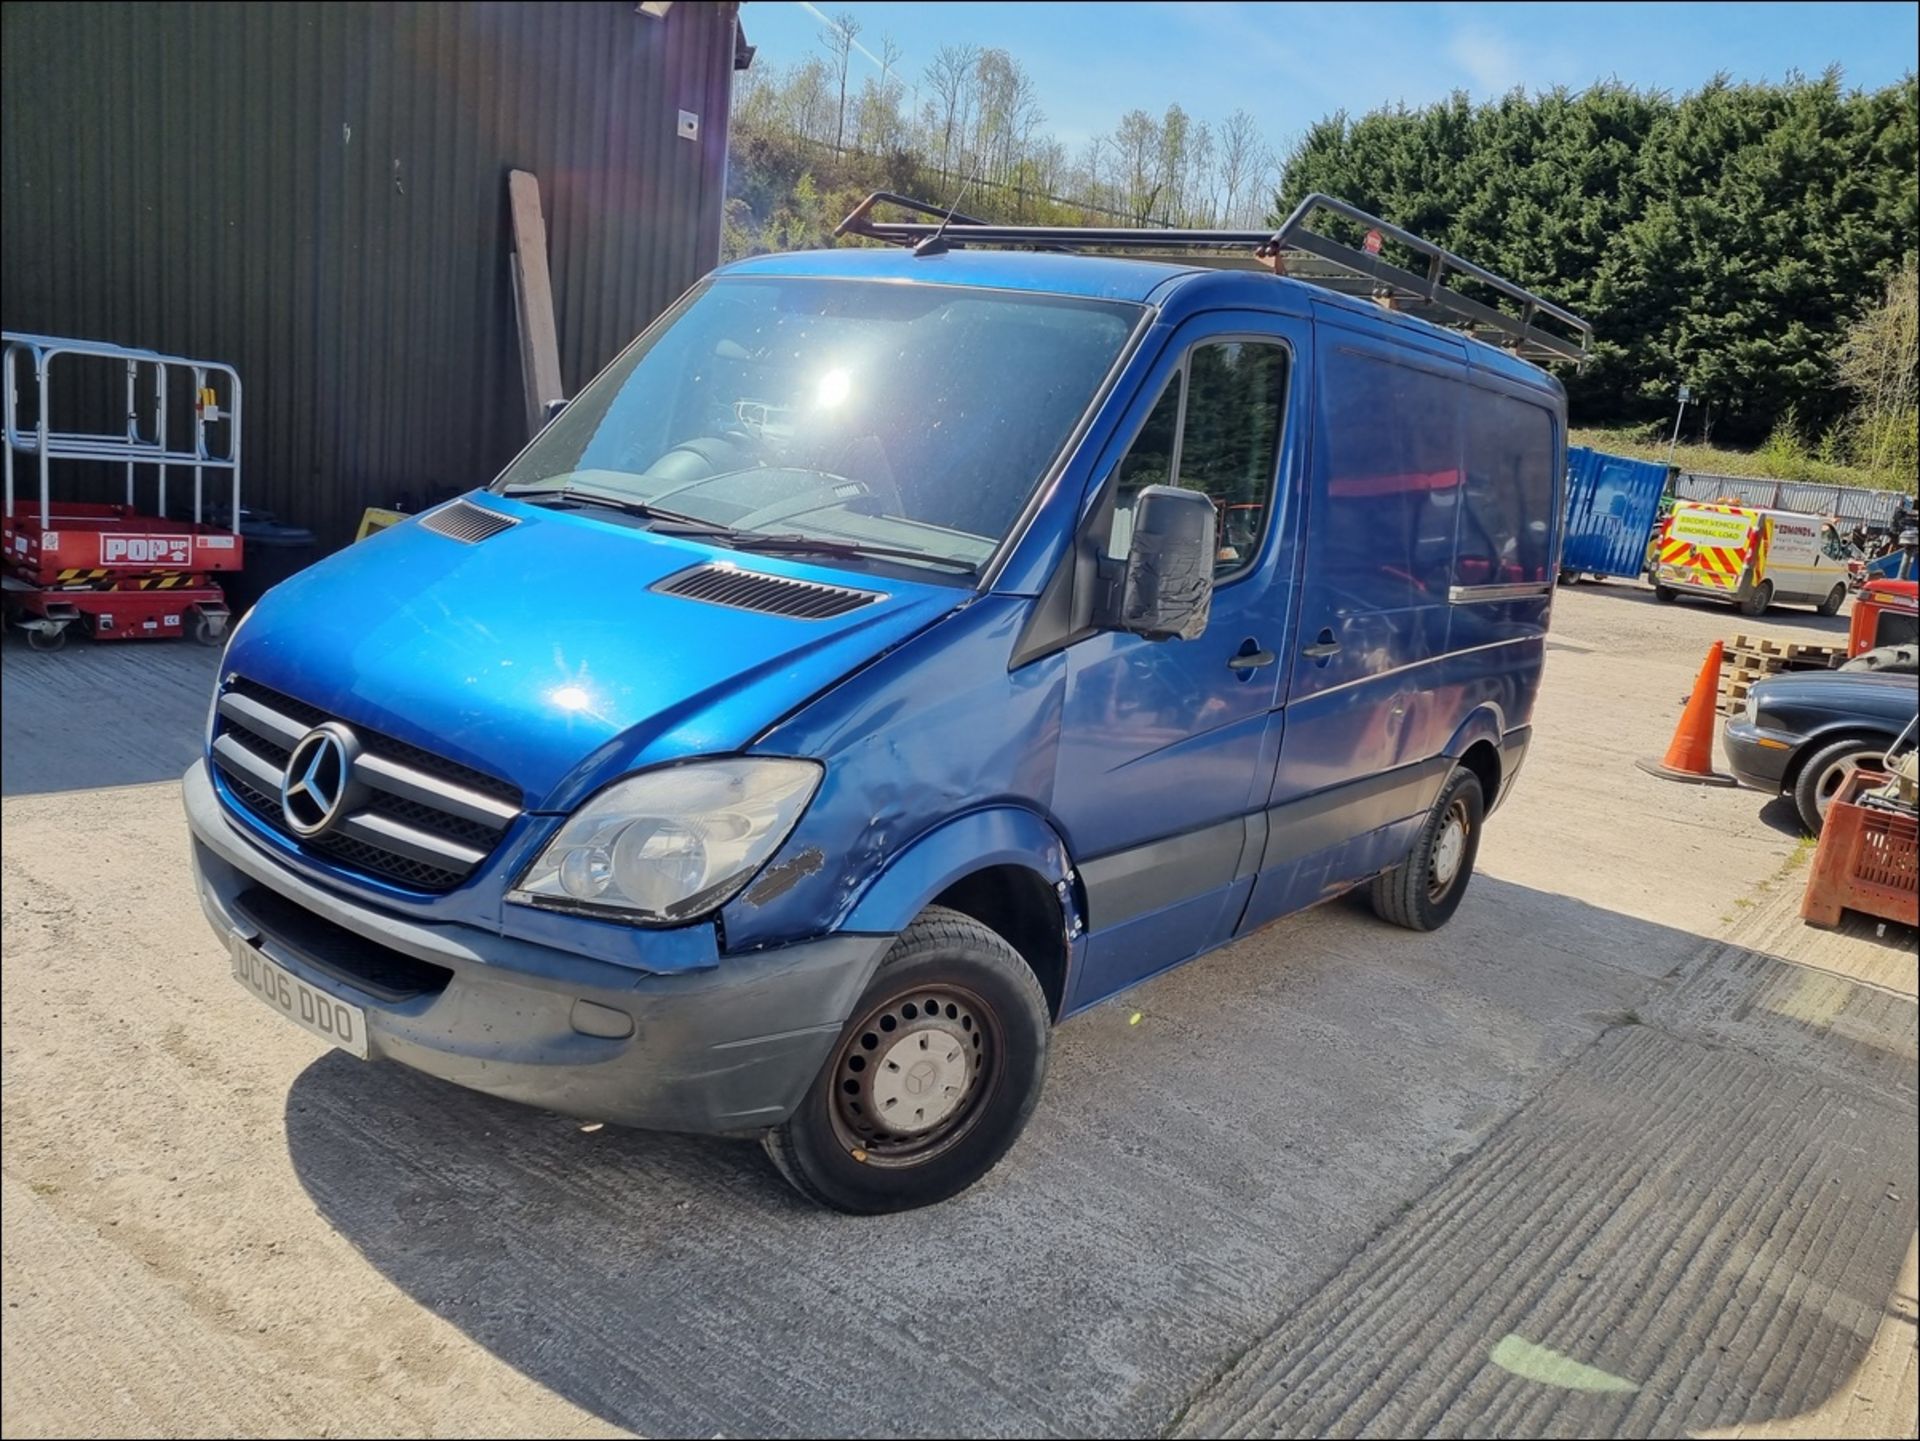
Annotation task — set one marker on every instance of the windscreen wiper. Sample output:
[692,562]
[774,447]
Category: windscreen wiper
[823,545]
[632,505]
[698,529]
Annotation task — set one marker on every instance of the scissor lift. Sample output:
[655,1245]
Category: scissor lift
[113,570]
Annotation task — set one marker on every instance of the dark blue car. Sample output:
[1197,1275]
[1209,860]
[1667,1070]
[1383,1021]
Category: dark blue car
[892,653]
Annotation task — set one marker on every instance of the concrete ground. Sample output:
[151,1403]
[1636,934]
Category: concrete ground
[1623,1150]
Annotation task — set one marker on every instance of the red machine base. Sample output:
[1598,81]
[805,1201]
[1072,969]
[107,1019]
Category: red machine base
[83,542]
[48,615]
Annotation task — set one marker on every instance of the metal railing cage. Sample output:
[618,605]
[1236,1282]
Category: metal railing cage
[1540,331]
[142,436]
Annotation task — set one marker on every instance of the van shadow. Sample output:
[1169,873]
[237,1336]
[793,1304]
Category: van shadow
[1211,1148]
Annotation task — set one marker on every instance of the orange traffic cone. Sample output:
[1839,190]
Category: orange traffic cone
[1689,754]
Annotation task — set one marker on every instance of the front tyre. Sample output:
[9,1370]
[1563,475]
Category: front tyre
[1423,892]
[932,1080]
[1826,774]
[1836,598]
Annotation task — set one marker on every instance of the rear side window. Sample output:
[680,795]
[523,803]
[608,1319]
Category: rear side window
[1390,445]
[1506,515]
[1215,429]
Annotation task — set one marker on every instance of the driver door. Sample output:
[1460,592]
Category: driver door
[1168,747]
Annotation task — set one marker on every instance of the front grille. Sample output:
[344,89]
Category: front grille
[413,818]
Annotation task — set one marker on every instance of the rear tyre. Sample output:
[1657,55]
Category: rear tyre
[932,1080]
[1827,772]
[48,640]
[1664,592]
[1760,601]
[1423,892]
[1836,598]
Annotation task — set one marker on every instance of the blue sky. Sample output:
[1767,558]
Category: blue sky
[1293,63]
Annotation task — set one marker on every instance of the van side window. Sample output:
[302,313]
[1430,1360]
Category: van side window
[1226,447]
[1390,443]
[1506,524]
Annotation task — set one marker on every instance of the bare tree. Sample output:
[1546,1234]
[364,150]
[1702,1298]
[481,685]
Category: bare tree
[1049,166]
[808,99]
[879,124]
[996,79]
[1090,181]
[1136,142]
[1264,191]
[1028,117]
[1240,160]
[1176,131]
[838,43]
[950,78]
[1201,165]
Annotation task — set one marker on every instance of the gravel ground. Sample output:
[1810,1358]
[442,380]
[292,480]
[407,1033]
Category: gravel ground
[1623,1150]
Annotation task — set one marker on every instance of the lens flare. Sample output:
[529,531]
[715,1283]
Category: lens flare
[834,388]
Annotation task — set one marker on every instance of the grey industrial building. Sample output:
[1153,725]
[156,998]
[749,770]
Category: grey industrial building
[317,194]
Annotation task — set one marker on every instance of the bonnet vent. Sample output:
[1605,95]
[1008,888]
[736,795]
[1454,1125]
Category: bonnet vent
[463,520]
[772,594]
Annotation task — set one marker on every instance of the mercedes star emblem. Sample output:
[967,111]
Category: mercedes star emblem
[319,772]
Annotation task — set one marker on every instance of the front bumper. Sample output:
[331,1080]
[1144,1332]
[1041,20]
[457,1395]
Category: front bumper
[724,1050]
[1752,760]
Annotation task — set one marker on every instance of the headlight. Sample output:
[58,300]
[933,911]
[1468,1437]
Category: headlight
[1753,709]
[673,844]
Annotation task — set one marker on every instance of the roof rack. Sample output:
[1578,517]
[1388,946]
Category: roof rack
[1427,296]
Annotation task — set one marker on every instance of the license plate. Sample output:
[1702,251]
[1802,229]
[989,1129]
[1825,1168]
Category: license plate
[333,1020]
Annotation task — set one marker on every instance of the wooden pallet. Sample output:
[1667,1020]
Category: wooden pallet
[1747,659]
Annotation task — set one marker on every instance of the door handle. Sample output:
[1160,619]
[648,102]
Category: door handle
[1248,660]
[1323,647]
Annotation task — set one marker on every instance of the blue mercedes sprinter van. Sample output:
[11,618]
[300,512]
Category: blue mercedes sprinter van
[892,653]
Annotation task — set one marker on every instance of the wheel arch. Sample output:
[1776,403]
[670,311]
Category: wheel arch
[1007,868]
[1820,740]
[1476,745]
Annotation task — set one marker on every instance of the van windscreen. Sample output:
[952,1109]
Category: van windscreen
[915,417]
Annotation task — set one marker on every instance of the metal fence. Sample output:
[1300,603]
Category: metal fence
[1848,502]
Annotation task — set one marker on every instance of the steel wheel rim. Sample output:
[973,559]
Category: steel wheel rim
[1449,850]
[1839,773]
[899,1060]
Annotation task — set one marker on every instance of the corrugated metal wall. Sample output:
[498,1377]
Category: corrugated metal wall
[317,194]
[1849,502]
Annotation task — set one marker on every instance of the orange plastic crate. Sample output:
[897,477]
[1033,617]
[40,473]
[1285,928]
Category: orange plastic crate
[1868,860]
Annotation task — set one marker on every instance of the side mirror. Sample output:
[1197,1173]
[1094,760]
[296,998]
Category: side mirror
[554,407]
[1166,591]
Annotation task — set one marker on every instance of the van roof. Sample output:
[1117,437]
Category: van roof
[1177,289]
